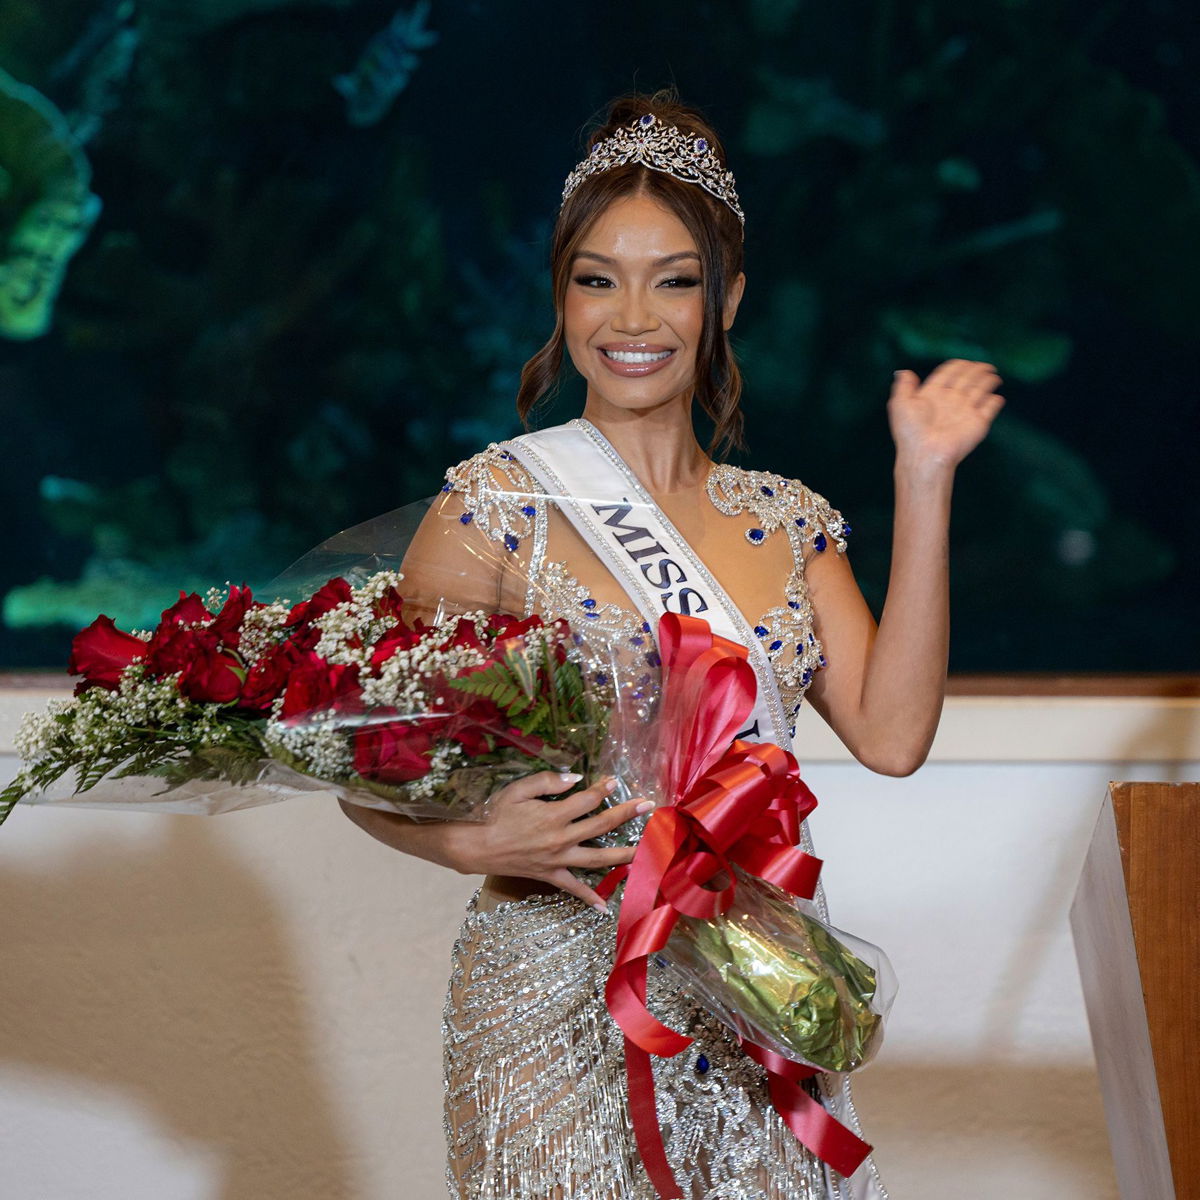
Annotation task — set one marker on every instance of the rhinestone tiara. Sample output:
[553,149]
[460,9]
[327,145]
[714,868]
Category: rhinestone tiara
[650,143]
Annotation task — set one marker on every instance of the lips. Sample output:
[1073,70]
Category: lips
[634,361]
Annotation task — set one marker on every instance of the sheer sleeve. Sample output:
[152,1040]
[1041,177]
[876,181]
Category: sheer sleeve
[475,549]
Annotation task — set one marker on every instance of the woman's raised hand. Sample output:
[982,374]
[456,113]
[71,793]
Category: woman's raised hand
[939,422]
[529,836]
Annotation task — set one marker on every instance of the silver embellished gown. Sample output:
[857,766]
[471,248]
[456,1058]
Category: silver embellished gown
[535,1092]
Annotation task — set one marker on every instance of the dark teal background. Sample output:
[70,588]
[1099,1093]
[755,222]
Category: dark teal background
[283,323]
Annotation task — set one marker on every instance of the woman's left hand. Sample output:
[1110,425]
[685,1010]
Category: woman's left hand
[939,422]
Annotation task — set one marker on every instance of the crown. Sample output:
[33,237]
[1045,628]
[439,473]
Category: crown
[650,143]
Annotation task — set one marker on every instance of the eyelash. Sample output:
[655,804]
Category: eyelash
[676,281]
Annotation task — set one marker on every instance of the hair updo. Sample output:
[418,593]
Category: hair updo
[715,229]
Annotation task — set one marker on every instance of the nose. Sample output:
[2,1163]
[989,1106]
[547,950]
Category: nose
[634,313]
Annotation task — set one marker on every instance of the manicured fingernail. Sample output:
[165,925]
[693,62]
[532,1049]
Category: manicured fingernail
[610,785]
[601,907]
[644,807]
[569,777]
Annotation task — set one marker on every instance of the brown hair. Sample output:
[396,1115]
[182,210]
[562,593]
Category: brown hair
[715,229]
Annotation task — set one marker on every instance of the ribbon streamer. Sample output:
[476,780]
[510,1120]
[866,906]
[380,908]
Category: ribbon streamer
[731,803]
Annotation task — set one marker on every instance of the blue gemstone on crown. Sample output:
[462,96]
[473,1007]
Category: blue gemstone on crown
[819,543]
[806,678]
[775,645]
[465,519]
[700,145]
[702,1065]
[447,486]
[511,542]
[793,604]
[845,529]
[801,522]
[601,678]
[761,631]
[755,535]
[766,491]
[588,603]
[646,121]
[645,626]
[528,509]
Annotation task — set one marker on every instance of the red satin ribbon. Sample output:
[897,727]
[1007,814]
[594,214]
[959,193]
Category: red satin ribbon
[731,803]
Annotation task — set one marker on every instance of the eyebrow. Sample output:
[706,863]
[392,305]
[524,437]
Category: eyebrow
[658,262]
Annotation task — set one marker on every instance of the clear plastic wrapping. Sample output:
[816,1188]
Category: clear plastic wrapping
[385,670]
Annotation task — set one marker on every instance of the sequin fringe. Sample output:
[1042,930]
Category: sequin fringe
[535,1097]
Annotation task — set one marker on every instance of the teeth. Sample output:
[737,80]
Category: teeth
[636,356]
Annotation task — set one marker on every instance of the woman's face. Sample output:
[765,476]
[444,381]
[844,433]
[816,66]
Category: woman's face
[634,307]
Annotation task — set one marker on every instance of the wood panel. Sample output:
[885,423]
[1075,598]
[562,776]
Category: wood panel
[1136,920]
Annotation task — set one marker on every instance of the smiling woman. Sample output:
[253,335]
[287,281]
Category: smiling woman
[609,522]
[698,240]
[634,309]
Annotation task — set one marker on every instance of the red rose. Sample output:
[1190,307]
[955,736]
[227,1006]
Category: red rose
[391,604]
[268,677]
[504,626]
[187,610]
[314,686]
[394,751]
[212,677]
[101,652]
[173,648]
[335,592]
[399,638]
[465,634]
[227,624]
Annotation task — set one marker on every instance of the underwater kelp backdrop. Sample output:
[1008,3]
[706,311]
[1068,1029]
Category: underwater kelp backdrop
[267,267]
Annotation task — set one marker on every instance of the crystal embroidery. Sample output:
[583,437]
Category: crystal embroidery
[535,1100]
[785,631]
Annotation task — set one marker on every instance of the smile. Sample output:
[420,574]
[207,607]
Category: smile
[636,356]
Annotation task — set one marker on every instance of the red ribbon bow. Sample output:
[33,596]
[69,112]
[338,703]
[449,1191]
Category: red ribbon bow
[730,803]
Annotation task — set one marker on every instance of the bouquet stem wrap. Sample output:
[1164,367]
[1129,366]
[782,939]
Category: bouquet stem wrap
[730,804]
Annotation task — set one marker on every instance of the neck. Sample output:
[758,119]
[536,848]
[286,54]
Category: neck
[658,445]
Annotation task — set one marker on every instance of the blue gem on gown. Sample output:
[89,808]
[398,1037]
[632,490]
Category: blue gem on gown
[702,1065]
[511,541]
[465,519]
[819,543]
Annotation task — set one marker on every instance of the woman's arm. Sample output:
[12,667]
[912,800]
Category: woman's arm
[527,833]
[882,691]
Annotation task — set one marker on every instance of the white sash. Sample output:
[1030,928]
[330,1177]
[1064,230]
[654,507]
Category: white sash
[632,536]
[606,503]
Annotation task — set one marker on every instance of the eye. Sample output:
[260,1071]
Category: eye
[681,281]
[593,281]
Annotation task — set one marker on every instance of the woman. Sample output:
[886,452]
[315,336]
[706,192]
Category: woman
[647,271]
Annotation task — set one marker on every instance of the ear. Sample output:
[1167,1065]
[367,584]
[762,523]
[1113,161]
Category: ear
[732,299]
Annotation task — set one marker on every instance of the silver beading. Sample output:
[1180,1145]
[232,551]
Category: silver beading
[650,143]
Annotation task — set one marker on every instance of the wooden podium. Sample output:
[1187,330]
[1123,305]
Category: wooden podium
[1136,922]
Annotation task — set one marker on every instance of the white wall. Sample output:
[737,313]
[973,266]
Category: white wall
[247,1007]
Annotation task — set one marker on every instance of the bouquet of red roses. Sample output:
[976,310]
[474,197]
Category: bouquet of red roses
[232,702]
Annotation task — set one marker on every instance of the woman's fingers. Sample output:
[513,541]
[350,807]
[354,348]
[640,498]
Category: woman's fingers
[563,879]
[601,858]
[608,820]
